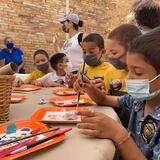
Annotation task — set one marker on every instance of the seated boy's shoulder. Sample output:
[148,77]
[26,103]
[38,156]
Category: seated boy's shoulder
[37,72]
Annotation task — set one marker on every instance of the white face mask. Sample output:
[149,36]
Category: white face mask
[140,89]
[68,68]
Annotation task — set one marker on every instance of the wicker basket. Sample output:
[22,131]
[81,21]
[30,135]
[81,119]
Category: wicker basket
[6,82]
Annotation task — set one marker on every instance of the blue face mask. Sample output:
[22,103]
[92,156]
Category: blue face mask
[92,59]
[117,63]
[43,67]
[10,45]
[140,89]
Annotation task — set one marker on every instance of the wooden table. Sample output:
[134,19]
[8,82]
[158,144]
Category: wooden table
[75,146]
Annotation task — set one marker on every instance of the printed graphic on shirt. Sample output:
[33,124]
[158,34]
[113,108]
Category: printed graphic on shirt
[115,87]
[66,46]
[148,129]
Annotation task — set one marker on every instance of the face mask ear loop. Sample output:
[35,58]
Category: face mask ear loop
[154,78]
[98,61]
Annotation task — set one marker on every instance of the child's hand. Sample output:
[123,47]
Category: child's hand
[99,125]
[80,84]
[37,83]
[52,84]
[70,79]
[18,82]
[98,83]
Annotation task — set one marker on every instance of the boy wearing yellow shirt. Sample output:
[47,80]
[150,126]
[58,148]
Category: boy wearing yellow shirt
[41,61]
[93,53]
[117,46]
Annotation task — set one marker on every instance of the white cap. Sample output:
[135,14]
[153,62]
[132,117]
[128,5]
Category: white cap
[71,17]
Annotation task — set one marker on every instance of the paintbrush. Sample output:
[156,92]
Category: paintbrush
[82,76]
[30,136]
[35,143]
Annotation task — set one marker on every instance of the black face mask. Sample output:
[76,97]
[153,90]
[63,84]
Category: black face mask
[65,29]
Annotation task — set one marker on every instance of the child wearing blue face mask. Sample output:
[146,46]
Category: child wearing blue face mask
[12,54]
[41,62]
[93,55]
[116,47]
[142,139]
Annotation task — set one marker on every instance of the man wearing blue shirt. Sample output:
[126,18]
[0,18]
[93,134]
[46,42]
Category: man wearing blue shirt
[12,54]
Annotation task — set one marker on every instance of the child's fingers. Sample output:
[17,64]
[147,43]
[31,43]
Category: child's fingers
[89,132]
[77,84]
[87,126]
[87,113]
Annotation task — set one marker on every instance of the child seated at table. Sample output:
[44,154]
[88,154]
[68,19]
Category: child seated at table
[116,48]
[56,78]
[93,55]
[142,140]
[41,61]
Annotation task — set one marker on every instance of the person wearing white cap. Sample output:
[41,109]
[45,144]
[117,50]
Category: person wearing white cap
[71,47]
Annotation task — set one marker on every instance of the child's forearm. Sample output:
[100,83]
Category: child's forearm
[100,98]
[51,84]
[127,147]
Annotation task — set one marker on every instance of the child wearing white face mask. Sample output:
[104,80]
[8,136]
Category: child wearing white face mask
[142,139]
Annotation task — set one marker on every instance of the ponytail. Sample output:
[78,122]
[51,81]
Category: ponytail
[80,24]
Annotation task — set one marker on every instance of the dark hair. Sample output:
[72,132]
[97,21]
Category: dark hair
[124,34]
[139,3]
[5,39]
[41,51]
[94,37]
[148,14]
[80,24]
[55,59]
[148,45]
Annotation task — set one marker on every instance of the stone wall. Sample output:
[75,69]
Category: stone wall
[31,23]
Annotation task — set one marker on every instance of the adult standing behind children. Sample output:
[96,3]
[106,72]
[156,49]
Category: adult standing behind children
[71,47]
[12,54]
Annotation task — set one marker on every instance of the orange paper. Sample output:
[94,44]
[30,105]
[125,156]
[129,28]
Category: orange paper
[41,114]
[34,125]
[70,100]
[27,88]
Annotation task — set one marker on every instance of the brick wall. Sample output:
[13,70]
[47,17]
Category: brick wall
[31,23]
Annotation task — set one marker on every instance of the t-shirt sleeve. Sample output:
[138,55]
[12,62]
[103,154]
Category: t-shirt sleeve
[125,102]
[31,77]
[20,51]
[2,54]
[45,78]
